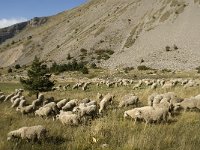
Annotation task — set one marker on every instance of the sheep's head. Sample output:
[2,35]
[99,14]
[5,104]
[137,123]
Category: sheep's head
[177,106]
[125,115]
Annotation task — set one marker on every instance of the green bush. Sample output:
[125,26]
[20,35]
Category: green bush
[17,66]
[71,66]
[38,78]
[9,70]
[142,67]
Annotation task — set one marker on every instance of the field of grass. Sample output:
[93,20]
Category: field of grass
[181,133]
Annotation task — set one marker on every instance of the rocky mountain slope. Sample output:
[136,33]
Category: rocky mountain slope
[112,33]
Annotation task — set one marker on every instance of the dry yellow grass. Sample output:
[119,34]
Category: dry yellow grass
[181,133]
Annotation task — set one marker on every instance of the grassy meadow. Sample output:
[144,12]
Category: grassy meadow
[182,132]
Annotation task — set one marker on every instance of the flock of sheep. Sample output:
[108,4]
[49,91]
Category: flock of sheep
[74,112]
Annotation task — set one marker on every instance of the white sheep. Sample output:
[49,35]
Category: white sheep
[132,114]
[22,103]
[105,102]
[16,102]
[91,103]
[62,103]
[67,118]
[18,95]
[53,106]
[151,98]
[150,114]
[129,100]
[43,112]
[87,111]
[188,103]
[39,101]
[34,133]
[26,110]
[70,105]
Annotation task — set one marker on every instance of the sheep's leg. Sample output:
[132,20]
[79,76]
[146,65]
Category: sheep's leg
[135,121]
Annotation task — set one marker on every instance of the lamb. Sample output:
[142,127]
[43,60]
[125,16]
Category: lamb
[105,102]
[34,133]
[16,102]
[43,111]
[26,110]
[70,105]
[68,118]
[129,100]
[62,103]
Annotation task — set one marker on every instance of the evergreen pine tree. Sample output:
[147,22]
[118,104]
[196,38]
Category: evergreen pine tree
[38,78]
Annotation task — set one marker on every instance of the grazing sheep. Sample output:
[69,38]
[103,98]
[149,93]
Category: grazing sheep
[53,106]
[34,133]
[151,98]
[70,105]
[105,102]
[16,102]
[154,86]
[39,101]
[62,103]
[168,85]
[75,86]
[68,118]
[188,103]
[22,103]
[43,111]
[87,111]
[129,100]
[18,95]
[91,103]
[9,97]
[157,99]
[48,100]
[150,114]
[132,114]
[26,110]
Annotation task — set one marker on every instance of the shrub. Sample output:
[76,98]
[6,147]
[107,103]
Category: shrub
[82,50]
[69,57]
[17,66]
[142,67]
[38,78]
[167,48]
[9,70]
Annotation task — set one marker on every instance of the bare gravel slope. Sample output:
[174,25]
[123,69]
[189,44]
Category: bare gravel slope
[135,29]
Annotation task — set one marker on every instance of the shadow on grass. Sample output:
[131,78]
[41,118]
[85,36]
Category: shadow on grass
[58,140]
